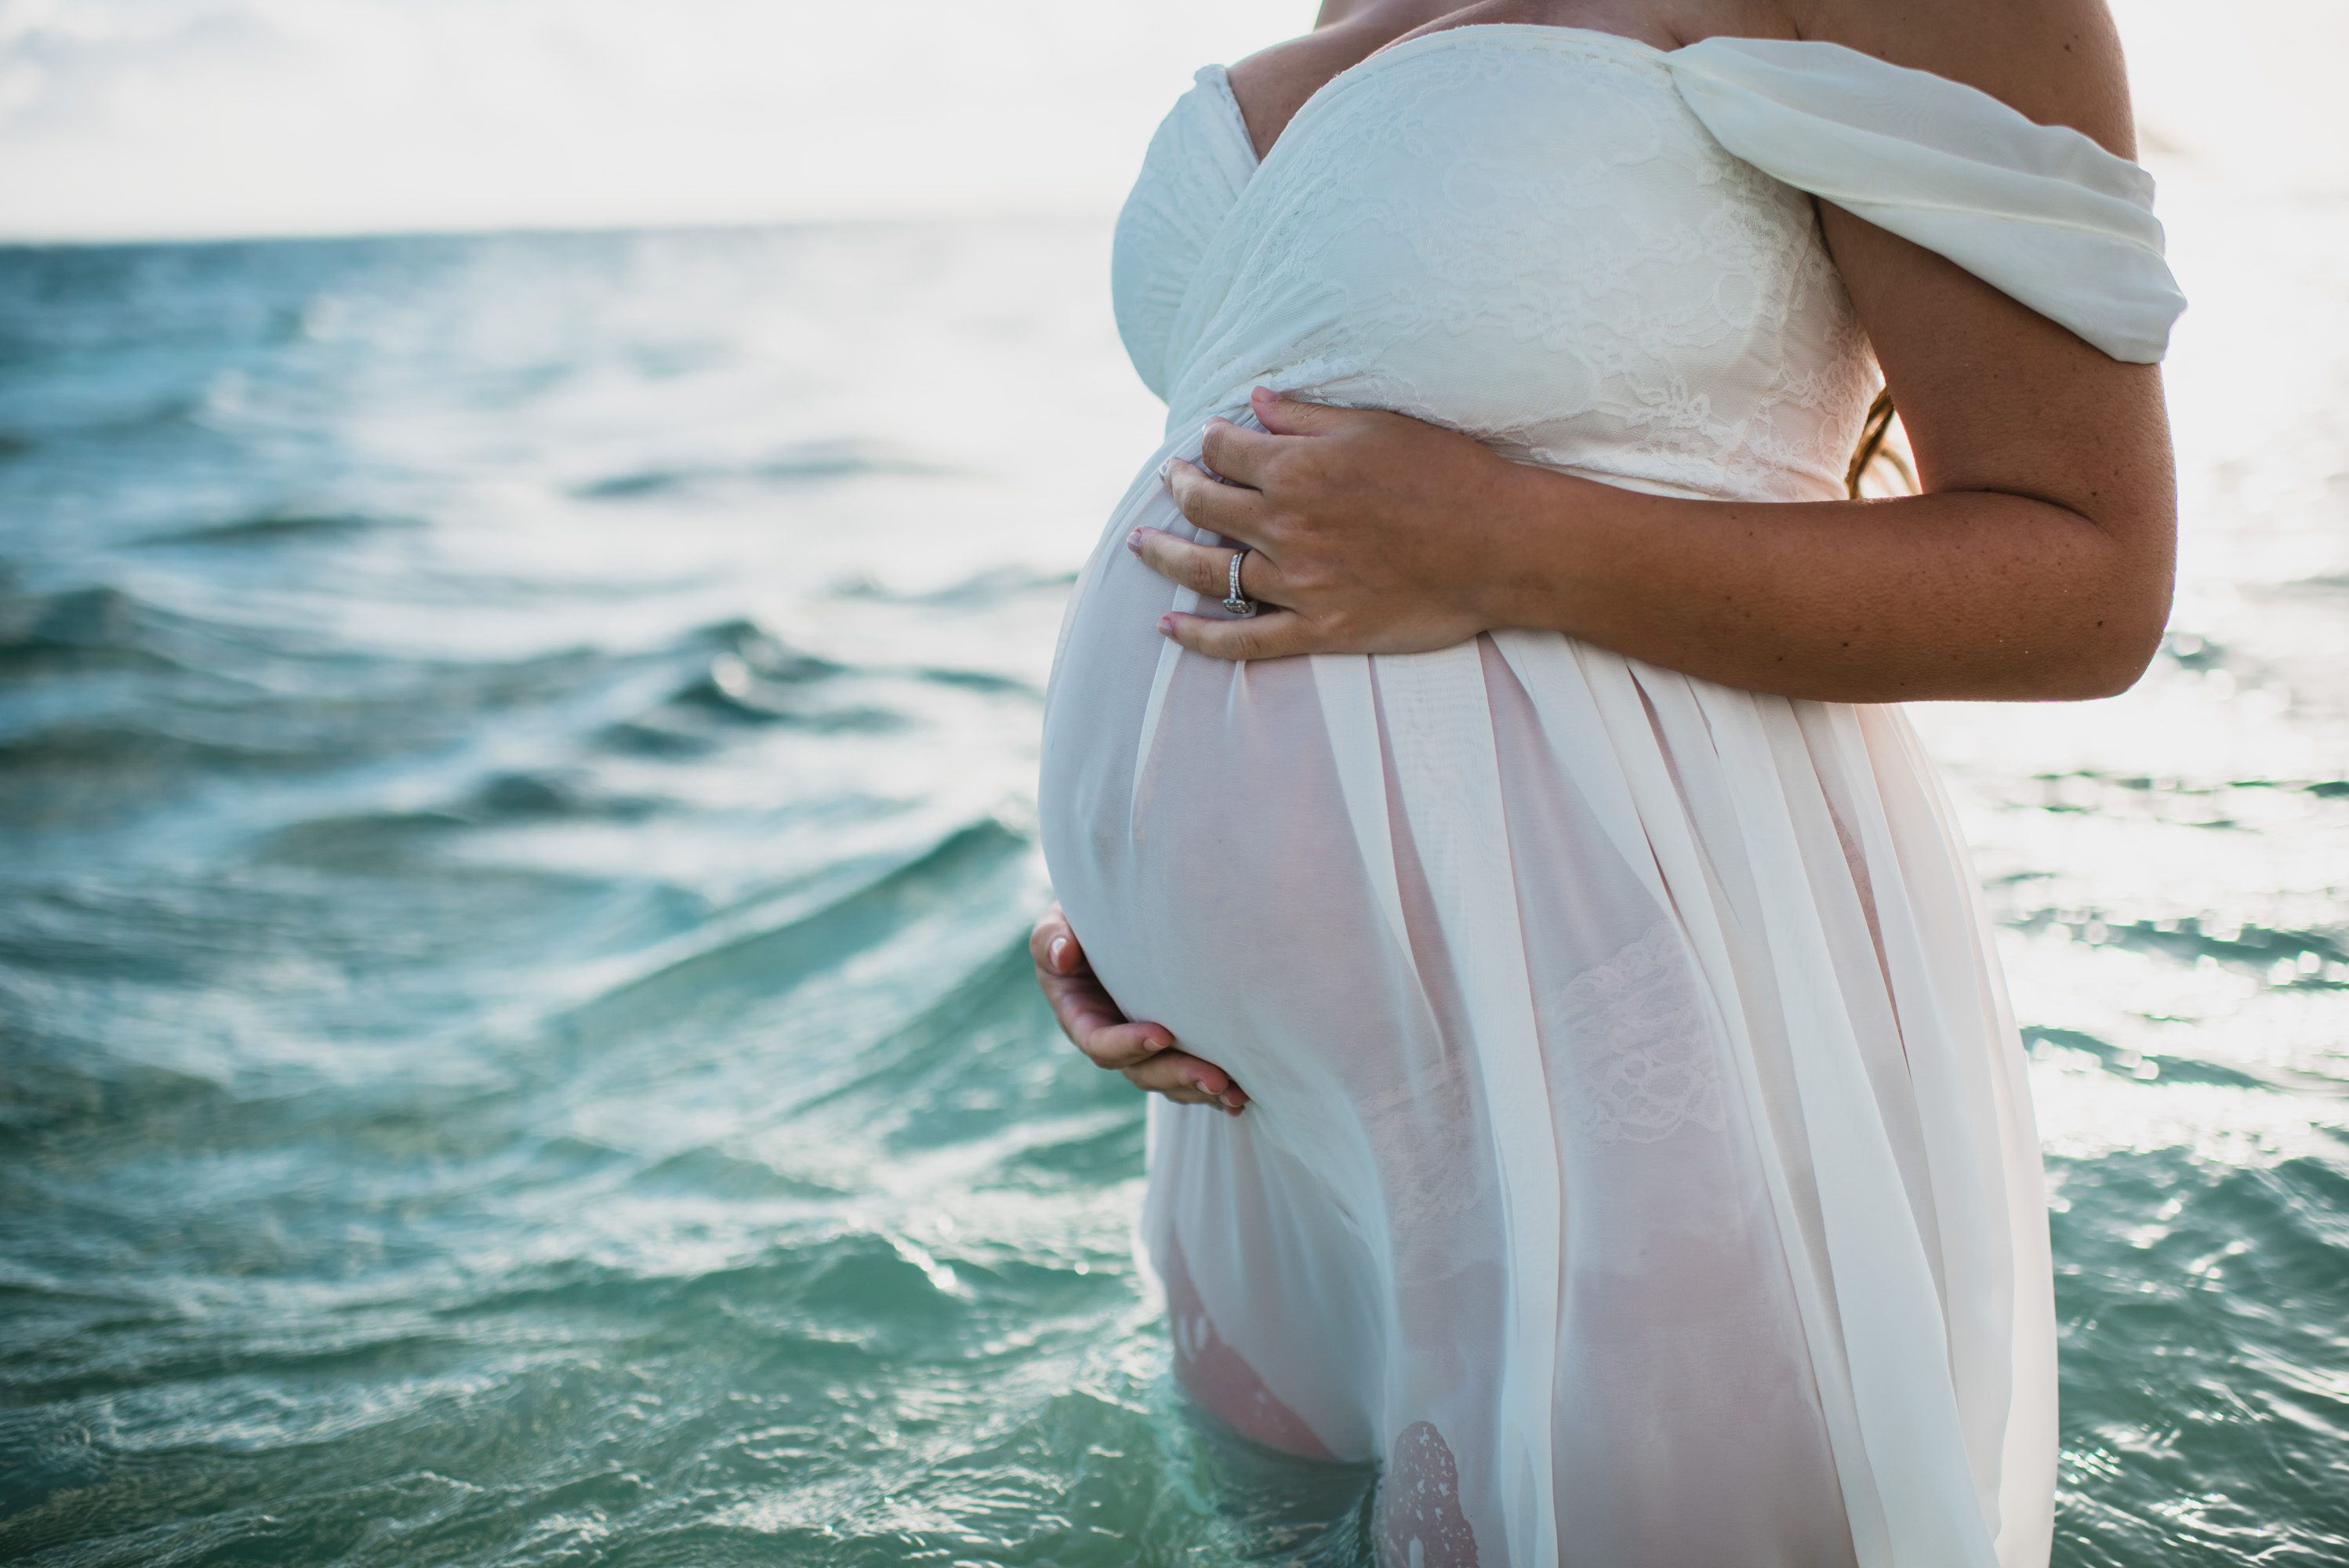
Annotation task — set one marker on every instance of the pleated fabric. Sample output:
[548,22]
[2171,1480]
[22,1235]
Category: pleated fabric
[1640,1165]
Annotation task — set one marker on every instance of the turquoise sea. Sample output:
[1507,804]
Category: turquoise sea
[516,1045]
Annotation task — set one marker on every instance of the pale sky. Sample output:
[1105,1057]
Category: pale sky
[181,117]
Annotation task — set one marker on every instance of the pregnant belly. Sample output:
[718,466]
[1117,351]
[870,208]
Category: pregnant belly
[1200,844]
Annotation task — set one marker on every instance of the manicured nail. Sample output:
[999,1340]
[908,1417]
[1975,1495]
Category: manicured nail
[1165,468]
[1060,952]
[1133,541]
[1233,1100]
[1165,625]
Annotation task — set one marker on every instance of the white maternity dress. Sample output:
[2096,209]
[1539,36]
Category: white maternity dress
[1638,1165]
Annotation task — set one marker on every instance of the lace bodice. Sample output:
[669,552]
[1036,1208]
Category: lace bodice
[1601,256]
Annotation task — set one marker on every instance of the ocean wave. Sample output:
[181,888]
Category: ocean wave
[754,677]
[812,463]
[977,590]
[276,528]
[98,627]
[707,1172]
[2310,956]
[753,959]
[381,835]
[2136,1063]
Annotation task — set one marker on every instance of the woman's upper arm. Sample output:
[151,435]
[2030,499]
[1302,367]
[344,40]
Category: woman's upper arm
[1995,396]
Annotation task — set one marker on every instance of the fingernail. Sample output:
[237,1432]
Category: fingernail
[1233,1100]
[1165,625]
[1059,951]
[1133,541]
[1165,467]
[1203,1083]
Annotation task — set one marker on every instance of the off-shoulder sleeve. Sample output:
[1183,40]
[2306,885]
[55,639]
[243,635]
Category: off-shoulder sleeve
[2040,213]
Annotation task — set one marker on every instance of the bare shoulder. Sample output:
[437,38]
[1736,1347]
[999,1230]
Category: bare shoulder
[2057,61]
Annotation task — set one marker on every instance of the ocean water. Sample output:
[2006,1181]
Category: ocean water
[516,842]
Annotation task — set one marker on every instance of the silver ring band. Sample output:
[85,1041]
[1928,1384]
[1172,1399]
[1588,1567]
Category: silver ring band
[1238,602]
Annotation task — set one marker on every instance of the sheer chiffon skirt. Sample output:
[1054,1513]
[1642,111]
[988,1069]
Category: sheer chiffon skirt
[1638,1165]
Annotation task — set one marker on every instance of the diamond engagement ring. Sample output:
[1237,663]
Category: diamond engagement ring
[1238,602]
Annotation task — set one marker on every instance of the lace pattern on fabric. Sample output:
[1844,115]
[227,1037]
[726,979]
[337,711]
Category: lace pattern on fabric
[1421,1129]
[1643,1063]
[1581,277]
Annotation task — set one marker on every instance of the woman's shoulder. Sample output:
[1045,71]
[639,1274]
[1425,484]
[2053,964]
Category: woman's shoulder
[2057,62]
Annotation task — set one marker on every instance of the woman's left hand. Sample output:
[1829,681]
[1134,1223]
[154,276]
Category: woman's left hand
[1366,532]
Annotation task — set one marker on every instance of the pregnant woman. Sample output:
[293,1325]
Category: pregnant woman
[1468,775]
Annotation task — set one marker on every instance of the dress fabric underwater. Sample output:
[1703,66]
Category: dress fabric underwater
[1639,1163]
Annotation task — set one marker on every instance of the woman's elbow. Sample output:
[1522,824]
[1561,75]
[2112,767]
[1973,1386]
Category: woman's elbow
[2113,652]
[2120,619]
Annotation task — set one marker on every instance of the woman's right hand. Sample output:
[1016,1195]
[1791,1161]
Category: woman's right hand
[1144,1053]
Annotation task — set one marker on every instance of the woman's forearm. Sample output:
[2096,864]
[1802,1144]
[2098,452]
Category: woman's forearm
[1968,594]
[2027,570]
